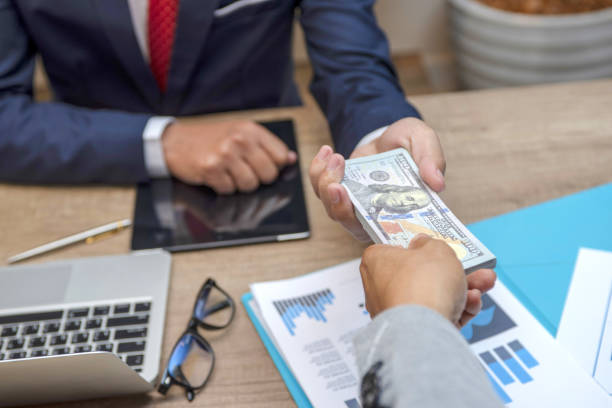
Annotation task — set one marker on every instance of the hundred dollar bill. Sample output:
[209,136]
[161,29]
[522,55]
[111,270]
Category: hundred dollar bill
[394,204]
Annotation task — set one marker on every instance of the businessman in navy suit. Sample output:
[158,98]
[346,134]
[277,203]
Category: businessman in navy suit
[124,73]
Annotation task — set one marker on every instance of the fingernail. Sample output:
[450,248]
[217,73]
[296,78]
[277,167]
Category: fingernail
[324,153]
[416,240]
[475,292]
[334,195]
[441,178]
[291,156]
[421,235]
[334,163]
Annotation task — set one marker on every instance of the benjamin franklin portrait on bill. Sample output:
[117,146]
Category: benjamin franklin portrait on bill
[392,198]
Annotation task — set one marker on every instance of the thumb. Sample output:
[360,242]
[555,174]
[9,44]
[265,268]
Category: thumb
[418,241]
[431,174]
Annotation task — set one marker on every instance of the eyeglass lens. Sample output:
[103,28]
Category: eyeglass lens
[213,307]
[191,362]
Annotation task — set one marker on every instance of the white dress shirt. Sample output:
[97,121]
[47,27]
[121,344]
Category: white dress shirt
[156,125]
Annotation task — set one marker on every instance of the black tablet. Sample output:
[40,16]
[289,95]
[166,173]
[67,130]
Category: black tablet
[175,216]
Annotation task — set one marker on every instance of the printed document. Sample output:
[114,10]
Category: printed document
[312,320]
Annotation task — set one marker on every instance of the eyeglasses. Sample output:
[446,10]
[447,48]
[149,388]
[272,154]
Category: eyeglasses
[193,359]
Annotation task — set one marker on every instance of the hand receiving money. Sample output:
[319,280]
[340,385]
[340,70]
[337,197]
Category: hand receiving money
[327,168]
[426,274]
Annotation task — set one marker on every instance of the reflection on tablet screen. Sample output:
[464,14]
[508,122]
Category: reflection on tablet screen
[173,215]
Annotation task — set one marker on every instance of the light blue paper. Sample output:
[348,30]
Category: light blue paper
[536,247]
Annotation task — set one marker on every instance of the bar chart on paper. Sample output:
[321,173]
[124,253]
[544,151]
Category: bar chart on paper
[507,364]
[313,320]
[312,305]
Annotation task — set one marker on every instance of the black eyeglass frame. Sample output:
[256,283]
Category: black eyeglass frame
[168,379]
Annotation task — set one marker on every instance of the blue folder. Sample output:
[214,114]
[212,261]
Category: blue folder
[536,249]
[293,386]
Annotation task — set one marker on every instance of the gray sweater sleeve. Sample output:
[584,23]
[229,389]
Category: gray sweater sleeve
[410,356]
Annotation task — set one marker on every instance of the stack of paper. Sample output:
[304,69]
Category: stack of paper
[309,322]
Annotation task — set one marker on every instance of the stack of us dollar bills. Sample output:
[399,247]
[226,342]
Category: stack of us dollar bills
[394,204]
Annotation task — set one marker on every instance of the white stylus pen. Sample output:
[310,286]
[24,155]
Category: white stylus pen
[88,236]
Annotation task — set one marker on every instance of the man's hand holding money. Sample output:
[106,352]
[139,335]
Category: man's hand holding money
[327,168]
[428,274]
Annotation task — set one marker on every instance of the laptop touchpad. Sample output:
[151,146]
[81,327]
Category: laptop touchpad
[22,287]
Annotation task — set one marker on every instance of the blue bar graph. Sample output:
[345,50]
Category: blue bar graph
[498,389]
[499,371]
[313,305]
[514,366]
[504,376]
[523,354]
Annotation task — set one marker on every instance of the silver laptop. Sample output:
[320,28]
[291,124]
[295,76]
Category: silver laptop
[83,328]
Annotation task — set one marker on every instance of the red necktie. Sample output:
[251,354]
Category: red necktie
[162,24]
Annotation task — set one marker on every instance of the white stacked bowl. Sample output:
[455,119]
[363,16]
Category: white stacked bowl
[498,48]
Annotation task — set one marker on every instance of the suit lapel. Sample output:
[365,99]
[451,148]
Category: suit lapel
[194,21]
[117,24]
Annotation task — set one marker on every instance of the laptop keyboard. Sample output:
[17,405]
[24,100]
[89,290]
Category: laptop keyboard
[118,327]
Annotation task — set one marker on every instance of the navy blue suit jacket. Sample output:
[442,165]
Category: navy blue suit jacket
[105,92]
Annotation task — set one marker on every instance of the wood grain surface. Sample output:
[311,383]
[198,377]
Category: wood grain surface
[505,149]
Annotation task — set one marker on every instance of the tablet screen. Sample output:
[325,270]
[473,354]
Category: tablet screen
[173,215]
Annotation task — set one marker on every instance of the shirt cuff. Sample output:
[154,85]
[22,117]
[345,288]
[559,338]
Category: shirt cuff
[373,135]
[152,144]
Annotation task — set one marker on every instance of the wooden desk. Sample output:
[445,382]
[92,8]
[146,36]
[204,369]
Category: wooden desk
[505,149]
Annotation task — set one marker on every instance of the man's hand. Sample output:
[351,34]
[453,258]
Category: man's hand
[226,156]
[428,273]
[327,168]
